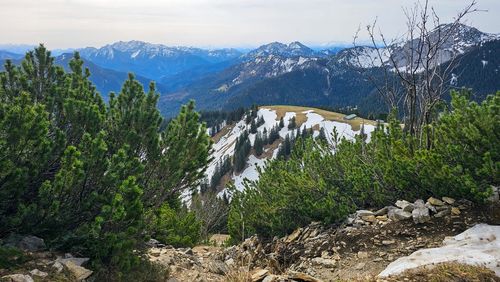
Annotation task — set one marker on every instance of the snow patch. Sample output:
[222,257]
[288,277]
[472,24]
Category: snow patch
[250,173]
[479,245]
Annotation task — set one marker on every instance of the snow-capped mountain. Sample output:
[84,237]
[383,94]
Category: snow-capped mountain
[270,66]
[139,49]
[270,78]
[309,118]
[155,61]
[456,40]
[270,60]
[293,49]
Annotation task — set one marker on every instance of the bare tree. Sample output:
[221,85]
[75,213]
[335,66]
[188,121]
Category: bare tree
[418,62]
[212,211]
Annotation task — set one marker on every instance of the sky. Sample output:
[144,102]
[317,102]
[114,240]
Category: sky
[214,23]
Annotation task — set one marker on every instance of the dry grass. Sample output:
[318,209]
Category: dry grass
[269,149]
[300,117]
[222,132]
[332,116]
[238,275]
[444,272]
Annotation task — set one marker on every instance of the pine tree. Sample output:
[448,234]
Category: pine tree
[85,175]
[322,134]
[242,149]
[281,123]
[291,123]
[253,127]
[258,144]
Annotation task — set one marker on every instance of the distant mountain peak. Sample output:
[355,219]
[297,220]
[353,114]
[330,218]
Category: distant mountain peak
[293,49]
[297,45]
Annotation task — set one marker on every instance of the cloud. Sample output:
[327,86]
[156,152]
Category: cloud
[75,23]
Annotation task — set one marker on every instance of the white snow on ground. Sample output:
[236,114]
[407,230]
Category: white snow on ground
[269,122]
[344,130]
[312,119]
[286,120]
[479,245]
[226,145]
[250,172]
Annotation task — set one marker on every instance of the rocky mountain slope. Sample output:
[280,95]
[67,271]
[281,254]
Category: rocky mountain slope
[378,245]
[408,241]
[293,49]
[456,40]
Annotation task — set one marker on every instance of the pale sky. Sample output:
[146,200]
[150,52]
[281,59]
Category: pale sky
[213,23]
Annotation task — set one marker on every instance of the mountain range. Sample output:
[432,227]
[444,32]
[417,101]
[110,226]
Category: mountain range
[276,73]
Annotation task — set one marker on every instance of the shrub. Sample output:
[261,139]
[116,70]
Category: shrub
[314,184]
[176,228]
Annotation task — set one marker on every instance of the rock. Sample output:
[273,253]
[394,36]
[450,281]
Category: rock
[229,262]
[302,277]
[369,218]
[350,220]
[448,200]
[479,245]
[362,255]
[432,208]
[26,243]
[77,261]
[382,211]
[218,267]
[17,278]
[382,217]
[442,213]
[435,202]
[189,251]
[58,266]
[455,211]
[360,266]
[153,243]
[155,252]
[362,213]
[271,278]
[398,214]
[259,274]
[388,242]
[293,236]
[495,196]
[325,262]
[36,272]
[420,214]
[442,208]
[80,273]
[404,205]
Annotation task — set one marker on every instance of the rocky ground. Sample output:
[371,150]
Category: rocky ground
[359,249]
[41,265]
